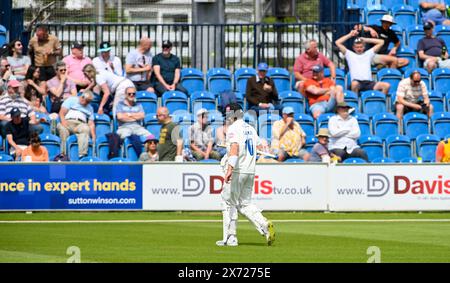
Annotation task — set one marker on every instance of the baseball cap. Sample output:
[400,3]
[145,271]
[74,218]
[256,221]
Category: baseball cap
[263,66]
[201,111]
[167,43]
[288,110]
[77,45]
[317,69]
[13,83]
[388,18]
[15,112]
[104,47]
[151,138]
[427,26]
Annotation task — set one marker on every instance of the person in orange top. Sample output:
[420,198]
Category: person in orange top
[443,151]
[35,152]
[322,93]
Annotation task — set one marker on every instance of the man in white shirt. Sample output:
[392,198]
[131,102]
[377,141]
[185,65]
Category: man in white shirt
[239,167]
[344,132]
[359,62]
[106,61]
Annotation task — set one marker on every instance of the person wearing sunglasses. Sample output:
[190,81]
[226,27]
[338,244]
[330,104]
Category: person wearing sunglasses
[151,150]
[412,96]
[19,63]
[61,87]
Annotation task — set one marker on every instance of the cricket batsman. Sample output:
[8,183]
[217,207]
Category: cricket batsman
[239,169]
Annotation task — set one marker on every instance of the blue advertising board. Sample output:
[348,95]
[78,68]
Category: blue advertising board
[66,186]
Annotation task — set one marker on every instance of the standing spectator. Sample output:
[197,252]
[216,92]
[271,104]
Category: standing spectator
[344,132]
[434,11]
[288,138]
[35,152]
[305,61]
[44,50]
[170,146]
[151,150]
[359,62]
[19,63]
[432,50]
[35,87]
[138,65]
[130,116]
[322,93]
[60,87]
[261,93]
[320,152]
[412,95]
[166,70]
[443,151]
[75,63]
[17,132]
[106,61]
[202,140]
[385,57]
[113,87]
[77,117]
[13,100]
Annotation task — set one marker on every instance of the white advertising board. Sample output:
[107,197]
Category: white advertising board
[277,187]
[389,187]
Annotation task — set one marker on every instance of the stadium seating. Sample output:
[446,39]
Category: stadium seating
[218,80]
[391,76]
[426,147]
[398,147]
[129,151]
[415,124]
[5,157]
[72,148]
[192,80]
[322,120]
[102,148]
[306,122]
[437,100]
[423,75]
[102,124]
[404,15]
[281,78]
[408,53]
[293,99]
[148,100]
[119,159]
[354,160]
[384,125]
[409,160]
[241,76]
[3,35]
[373,16]
[352,100]
[340,76]
[372,145]
[414,34]
[174,100]
[373,102]
[45,122]
[310,141]
[444,33]
[265,122]
[52,143]
[152,125]
[383,160]
[90,159]
[364,124]
[440,124]
[441,79]
[202,99]
[399,32]
[389,4]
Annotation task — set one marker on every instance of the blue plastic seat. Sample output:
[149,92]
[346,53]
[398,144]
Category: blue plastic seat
[398,147]
[426,147]
[384,125]
[352,100]
[399,32]
[437,100]
[241,76]
[102,148]
[354,160]
[410,54]
[265,123]
[52,143]
[322,120]
[129,151]
[391,76]
[72,148]
[152,125]
[383,160]
[443,32]
[102,124]
[415,124]
[5,158]
[389,4]
[372,145]
[310,141]
[409,160]
[294,100]
[425,77]
[192,80]
[218,80]
[404,15]
[441,79]
[90,159]
[281,78]
[373,16]
[364,124]
[414,33]
[148,100]
[45,122]
[340,76]
[306,122]
[202,99]
[373,102]
[440,124]
[175,100]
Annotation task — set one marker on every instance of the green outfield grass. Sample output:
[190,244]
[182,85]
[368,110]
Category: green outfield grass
[308,241]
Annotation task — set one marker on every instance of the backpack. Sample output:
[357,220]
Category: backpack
[225,98]
[61,157]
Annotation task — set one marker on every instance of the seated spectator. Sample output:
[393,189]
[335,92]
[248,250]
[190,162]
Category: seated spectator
[113,88]
[13,100]
[261,92]
[75,63]
[443,151]
[202,141]
[432,50]
[77,117]
[130,116]
[151,150]
[5,73]
[306,61]
[106,61]
[344,133]
[19,63]
[322,93]
[288,137]
[34,86]
[60,87]
[412,96]
[167,70]
[385,57]
[434,11]
[17,133]
[35,152]
[170,146]
[359,62]
[138,65]
[320,152]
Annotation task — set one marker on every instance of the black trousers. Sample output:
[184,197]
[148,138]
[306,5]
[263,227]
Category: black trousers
[160,89]
[356,153]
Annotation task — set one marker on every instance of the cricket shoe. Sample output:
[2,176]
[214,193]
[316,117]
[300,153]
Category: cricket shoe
[270,235]
[232,241]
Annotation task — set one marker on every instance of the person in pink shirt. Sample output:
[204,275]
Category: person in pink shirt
[60,87]
[306,61]
[75,63]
